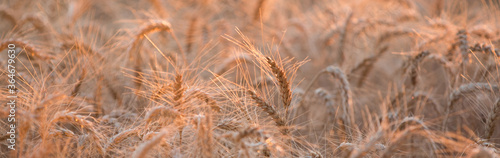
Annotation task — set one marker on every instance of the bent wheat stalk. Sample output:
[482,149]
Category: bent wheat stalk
[149,28]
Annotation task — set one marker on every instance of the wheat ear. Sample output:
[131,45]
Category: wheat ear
[346,92]
[152,27]
[345,149]
[258,11]
[412,66]
[343,36]
[284,85]
[329,100]
[229,124]
[178,90]
[145,147]
[270,110]
[205,97]
[118,138]
[368,145]
[30,49]
[493,117]
[161,111]
[8,14]
[461,91]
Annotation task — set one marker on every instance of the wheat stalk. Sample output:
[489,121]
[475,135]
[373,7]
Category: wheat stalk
[191,34]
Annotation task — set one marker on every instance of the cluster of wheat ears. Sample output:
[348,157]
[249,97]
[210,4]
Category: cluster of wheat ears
[263,78]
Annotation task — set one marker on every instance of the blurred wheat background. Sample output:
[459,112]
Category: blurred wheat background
[261,78]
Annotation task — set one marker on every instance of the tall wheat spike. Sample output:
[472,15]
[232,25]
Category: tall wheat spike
[284,85]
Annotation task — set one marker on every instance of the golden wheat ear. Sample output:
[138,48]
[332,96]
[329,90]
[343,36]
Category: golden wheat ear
[8,14]
[284,85]
[463,90]
[29,48]
[145,147]
[143,31]
[270,110]
[492,118]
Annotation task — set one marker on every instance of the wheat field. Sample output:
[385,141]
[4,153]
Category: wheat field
[255,78]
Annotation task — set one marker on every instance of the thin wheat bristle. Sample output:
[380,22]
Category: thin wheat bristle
[178,90]
[228,62]
[191,34]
